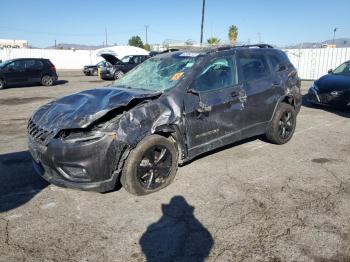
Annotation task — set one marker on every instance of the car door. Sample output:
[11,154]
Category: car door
[14,72]
[33,69]
[133,61]
[213,106]
[259,86]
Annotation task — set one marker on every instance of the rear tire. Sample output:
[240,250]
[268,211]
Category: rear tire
[2,84]
[47,80]
[151,166]
[282,126]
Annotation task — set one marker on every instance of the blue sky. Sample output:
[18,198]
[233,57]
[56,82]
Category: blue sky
[41,22]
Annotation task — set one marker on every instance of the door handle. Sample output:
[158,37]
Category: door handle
[276,83]
[234,94]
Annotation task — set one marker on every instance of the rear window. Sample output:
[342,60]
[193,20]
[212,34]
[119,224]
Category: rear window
[253,66]
[33,64]
[279,61]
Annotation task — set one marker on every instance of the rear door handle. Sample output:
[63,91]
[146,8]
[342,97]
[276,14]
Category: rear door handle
[234,94]
[276,83]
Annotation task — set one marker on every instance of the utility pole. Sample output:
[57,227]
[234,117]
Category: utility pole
[334,31]
[106,36]
[146,27]
[55,44]
[202,24]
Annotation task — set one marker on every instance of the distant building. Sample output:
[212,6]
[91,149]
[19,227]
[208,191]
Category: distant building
[12,43]
[328,46]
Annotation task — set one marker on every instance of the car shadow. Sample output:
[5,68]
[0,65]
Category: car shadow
[60,82]
[338,112]
[177,236]
[223,148]
[57,83]
[18,181]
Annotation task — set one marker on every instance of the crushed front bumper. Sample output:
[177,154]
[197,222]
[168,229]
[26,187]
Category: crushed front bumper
[89,165]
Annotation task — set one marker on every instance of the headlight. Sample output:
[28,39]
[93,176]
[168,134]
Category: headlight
[81,136]
[314,87]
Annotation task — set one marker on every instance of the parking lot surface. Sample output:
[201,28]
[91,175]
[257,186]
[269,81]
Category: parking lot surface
[251,201]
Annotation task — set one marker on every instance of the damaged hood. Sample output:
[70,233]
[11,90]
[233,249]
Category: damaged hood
[81,109]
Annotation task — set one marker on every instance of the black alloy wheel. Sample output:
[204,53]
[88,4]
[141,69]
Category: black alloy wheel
[154,167]
[286,125]
[150,166]
[281,129]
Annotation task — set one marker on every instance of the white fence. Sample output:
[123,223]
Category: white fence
[311,63]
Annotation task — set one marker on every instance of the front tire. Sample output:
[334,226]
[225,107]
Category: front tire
[151,166]
[118,74]
[282,126]
[2,84]
[47,80]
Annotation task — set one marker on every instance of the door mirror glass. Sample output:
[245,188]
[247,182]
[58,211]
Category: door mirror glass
[330,71]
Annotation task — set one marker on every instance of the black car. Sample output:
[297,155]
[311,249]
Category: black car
[168,110]
[92,70]
[27,70]
[332,89]
[118,68]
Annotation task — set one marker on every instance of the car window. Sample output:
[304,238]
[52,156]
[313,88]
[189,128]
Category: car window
[277,63]
[33,64]
[17,65]
[133,59]
[254,66]
[343,69]
[126,59]
[219,73]
[138,59]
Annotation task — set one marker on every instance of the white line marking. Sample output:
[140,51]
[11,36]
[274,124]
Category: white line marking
[48,205]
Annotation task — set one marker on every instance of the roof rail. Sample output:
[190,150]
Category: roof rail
[257,45]
[230,47]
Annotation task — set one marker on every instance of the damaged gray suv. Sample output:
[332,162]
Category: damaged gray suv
[166,111]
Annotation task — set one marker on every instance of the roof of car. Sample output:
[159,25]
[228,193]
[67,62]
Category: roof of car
[34,58]
[204,50]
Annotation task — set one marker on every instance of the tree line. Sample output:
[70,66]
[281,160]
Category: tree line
[232,36]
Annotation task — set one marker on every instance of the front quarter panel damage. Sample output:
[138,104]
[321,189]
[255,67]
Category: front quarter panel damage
[146,119]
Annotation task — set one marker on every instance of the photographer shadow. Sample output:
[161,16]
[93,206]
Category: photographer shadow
[177,235]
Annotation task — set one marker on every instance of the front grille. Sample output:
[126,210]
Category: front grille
[39,134]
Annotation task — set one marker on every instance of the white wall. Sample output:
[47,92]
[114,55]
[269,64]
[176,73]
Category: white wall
[62,59]
[313,63]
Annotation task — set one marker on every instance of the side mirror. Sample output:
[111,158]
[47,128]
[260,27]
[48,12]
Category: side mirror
[192,91]
[330,71]
[282,68]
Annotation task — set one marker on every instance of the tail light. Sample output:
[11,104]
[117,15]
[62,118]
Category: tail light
[53,68]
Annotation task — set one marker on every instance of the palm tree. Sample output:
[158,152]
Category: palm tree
[213,41]
[232,34]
